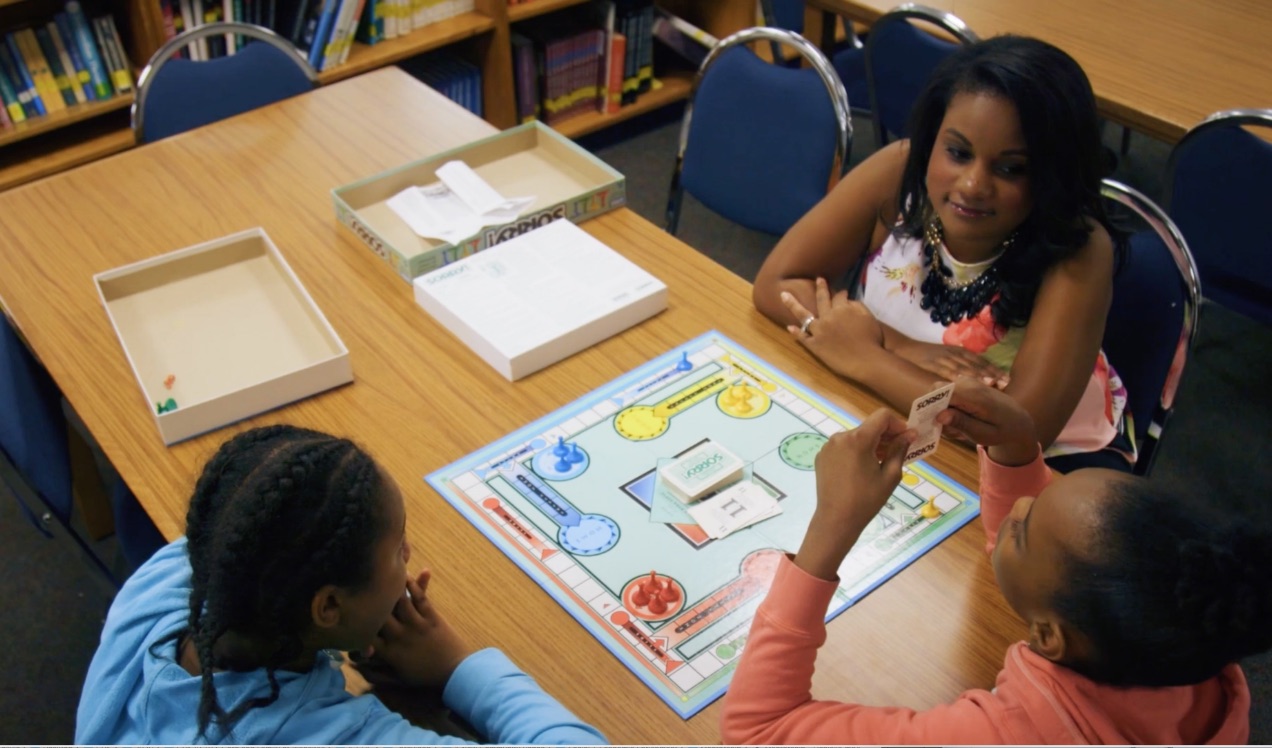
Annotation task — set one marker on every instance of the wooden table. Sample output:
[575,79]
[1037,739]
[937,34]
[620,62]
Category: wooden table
[1157,66]
[421,399]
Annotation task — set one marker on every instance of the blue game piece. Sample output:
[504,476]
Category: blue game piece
[560,450]
[683,364]
[563,466]
[576,454]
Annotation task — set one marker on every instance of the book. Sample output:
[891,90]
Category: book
[27,92]
[84,39]
[40,71]
[122,76]
[9,96]
[63,24]
[65,63]
[535,299]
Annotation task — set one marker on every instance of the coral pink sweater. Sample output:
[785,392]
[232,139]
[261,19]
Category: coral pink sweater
[1034,700]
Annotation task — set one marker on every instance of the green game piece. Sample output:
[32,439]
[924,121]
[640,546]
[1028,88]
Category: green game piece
[167,406]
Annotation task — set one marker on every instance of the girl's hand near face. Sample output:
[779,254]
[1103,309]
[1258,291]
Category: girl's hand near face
[416,643]
[843,334]
[856,473]
[993,419]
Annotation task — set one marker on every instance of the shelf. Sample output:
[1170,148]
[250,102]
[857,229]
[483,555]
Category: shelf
[675,87]
[57,120]
[363,57]
[538,7]
[63,150]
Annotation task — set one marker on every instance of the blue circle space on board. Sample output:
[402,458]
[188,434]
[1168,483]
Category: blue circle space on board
[545,464]
[595,533]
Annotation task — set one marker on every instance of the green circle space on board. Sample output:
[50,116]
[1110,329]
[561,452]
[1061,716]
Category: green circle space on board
[800,450]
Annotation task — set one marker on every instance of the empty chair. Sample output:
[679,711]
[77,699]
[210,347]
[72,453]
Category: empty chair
[899,59]
[1219,190]
[1153,318]
[175,94]
[848,59]
[760,143]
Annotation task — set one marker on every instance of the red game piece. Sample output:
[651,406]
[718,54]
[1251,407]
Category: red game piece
[669,594]
[657,606]
[640,598]
[652,586]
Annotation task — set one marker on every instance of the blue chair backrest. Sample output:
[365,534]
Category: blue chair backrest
[787,14]
[1221,195]
[761,141]
[1142,331]
[32,427]
[185,94]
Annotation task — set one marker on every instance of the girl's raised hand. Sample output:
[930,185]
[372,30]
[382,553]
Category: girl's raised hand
[839,332]
[417,643]
[993,419]
[856,473]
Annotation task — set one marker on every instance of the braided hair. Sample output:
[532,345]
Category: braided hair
[1176,590]
[278,513]
[1057,111]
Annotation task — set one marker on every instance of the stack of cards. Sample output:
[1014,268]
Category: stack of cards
[923,420]
[701,470]
[734,508]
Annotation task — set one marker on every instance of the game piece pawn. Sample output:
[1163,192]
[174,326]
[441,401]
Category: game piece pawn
[639,597]
[683,364]
[669,594]
[575,454]
[929,510]
[657,606]
[652,586]
[563,465]
[560,450]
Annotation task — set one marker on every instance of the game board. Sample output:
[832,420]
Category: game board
[591,526]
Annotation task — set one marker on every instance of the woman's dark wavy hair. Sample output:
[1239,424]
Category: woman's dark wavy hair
[1066,159]
[278,512]
[1175,591]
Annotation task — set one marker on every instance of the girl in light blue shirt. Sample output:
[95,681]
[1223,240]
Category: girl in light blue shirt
[295,547]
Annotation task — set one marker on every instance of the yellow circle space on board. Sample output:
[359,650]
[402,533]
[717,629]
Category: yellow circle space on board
[909,479]
[930,510]
[639,423]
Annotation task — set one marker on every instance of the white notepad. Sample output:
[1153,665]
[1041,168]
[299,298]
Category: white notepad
[535,299]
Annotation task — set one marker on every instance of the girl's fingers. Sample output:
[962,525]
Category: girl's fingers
[822,294]
[798,311]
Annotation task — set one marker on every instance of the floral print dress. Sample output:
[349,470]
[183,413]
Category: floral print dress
[889,286]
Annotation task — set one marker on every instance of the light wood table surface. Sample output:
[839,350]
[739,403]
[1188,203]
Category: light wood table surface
[421,399]
[1157,66]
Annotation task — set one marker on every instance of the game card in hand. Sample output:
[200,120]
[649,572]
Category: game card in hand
[923,420]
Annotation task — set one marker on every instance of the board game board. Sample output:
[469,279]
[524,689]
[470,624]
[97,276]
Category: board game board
[590,527]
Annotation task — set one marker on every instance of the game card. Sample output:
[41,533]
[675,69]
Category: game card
[923,420]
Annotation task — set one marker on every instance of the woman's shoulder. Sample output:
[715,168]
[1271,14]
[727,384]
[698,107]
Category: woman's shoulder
[1093,259]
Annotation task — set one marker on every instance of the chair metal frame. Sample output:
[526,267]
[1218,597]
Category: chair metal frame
[816,60]
[944,20]
[176,43]
[1225,118]
[1173,239]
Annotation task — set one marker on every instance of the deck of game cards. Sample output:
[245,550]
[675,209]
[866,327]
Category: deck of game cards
[734,508]
[701,470]
[923,420]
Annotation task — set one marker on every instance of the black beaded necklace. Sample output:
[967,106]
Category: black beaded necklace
[947,301]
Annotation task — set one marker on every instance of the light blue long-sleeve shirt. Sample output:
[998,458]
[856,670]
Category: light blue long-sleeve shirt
[136,692]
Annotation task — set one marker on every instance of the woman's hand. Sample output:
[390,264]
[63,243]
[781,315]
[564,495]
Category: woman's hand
[416,644]
[841,333]
[856,473]
[951,362]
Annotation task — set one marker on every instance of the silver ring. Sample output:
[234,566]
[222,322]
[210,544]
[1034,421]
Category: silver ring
[804,327]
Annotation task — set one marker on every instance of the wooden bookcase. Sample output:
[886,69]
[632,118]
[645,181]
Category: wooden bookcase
[83,133]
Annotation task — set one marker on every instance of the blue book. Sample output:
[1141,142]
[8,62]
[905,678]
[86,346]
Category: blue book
[23,77]
[322,33]
[83,36]
[63,24]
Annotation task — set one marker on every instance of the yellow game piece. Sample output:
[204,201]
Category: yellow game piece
[929,510]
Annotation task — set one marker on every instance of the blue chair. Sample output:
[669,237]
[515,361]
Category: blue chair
[848,58]
[760,143]
[899,59]
[175,94]
[33,438]
[1152,321]
[1219,190]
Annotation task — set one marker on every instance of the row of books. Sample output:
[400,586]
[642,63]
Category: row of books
[67,61]
[598,59]
[456,78]
[323,30]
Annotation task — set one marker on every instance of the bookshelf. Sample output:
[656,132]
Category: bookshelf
[86,132]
